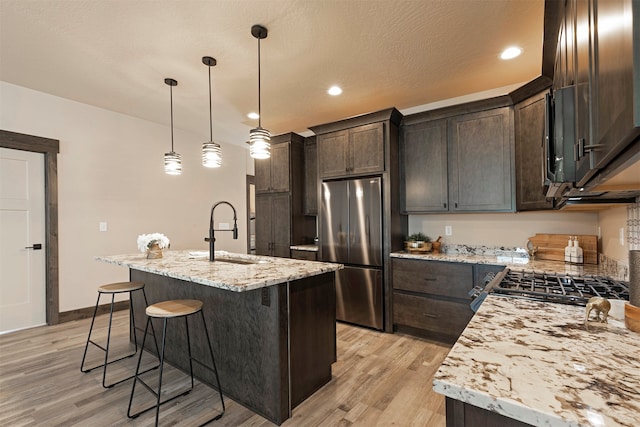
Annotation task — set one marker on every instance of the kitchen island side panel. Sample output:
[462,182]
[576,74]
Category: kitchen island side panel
[249,335]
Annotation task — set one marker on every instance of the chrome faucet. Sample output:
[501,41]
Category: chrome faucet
[211,239]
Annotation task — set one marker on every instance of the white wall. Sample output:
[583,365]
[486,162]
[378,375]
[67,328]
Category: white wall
[503,229]
[110,169]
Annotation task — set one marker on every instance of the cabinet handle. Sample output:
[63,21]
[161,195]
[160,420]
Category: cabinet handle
[593,147]
[445,206]
[430,279]
[456,205]
[430,315]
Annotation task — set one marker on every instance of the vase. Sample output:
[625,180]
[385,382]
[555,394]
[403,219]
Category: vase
[154,251]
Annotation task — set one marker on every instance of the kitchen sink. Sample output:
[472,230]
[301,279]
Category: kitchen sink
[239,261]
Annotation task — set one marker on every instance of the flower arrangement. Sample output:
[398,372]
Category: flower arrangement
[146,241]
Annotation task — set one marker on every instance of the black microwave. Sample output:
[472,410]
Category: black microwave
[560,161]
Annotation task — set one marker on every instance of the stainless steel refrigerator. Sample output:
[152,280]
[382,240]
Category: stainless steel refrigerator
[351,227]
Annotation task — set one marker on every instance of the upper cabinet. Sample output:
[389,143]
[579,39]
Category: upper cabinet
[356,146]
[359,150]
[310,176]
[458,159]
[481,161]
[423,160]
[597,54]
[529,115]
[273,174]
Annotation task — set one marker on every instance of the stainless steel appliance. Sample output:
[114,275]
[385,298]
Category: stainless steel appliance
[560,288]
[351,234]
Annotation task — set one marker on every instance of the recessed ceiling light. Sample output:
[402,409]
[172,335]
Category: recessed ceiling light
[253,116]
[510,52]
[334,91]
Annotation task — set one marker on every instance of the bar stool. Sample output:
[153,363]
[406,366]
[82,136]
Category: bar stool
[169,310]
[113,289]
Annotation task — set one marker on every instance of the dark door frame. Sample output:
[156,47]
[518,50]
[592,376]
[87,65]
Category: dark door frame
[50,148]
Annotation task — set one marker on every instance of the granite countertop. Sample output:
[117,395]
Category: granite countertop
[516,263]
[194,266]
[539,363]
[306,248]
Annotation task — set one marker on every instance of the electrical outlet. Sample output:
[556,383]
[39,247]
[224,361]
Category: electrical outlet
[103,226]
[621,236]
[448,230]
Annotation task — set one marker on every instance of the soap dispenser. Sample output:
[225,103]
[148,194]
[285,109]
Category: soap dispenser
[579,253]
[567,250]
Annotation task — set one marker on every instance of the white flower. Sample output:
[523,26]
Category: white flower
[146,240]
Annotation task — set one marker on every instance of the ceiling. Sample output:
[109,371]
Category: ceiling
[115,54]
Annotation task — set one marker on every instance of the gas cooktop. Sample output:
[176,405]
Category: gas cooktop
[549,287]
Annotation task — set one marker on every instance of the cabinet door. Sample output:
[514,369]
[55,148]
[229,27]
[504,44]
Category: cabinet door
[280,168]
[529,146]
[263,224]
[423,154]
[480,161]
[614,85]
[366,149]
[332,154]
[281,224]
[310,177]
[263,175]
[583,39]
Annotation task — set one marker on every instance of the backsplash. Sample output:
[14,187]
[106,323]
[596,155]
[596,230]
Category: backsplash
[498,251]
[613,267]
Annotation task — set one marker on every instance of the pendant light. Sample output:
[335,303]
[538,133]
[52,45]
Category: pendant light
[211,153]
[259,145]
[172,160]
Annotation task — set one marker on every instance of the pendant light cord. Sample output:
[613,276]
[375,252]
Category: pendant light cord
[259,91]
[171,97]
[210,110]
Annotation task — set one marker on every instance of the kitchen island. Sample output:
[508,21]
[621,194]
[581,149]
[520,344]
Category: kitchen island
[521,362]
[271,320]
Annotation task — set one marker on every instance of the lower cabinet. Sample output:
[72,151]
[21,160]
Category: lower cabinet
[304,255]
[431,298]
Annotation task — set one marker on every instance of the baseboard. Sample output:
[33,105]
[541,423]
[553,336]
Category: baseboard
[83,313]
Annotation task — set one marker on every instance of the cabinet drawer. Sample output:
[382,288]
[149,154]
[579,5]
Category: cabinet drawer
[447,279]
[305,255]
[445,317]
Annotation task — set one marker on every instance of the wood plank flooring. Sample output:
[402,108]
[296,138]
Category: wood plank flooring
[379,379]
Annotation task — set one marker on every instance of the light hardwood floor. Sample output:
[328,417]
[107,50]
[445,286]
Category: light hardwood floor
[379,379]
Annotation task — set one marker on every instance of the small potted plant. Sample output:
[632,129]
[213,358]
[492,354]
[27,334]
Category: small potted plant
[418,241]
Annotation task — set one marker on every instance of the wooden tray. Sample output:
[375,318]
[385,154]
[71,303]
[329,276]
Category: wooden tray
[551,246]
[419,250]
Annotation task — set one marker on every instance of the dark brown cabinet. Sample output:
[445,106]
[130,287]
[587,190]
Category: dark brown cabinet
[459,163]
[481,161]
[431,297]
[280,220]
[304,255]
[359,150]
[595,52]
[273,224]
[273,174]
[311,176]
[529,116]
[423,159]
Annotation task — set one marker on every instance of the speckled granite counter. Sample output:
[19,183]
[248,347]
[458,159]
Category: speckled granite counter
[538,363]
[275,335]
[516,263]
[194,266]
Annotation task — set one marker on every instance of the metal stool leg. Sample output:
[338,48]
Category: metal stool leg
[95,311]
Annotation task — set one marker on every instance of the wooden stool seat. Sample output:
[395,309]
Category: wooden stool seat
[115,288]
[174,308]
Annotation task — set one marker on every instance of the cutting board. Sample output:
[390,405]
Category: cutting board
[551,246]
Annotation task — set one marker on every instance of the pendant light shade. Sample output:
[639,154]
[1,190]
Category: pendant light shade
[211,152]
[172,160]
[259,138]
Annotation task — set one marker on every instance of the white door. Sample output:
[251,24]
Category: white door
[22,269]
